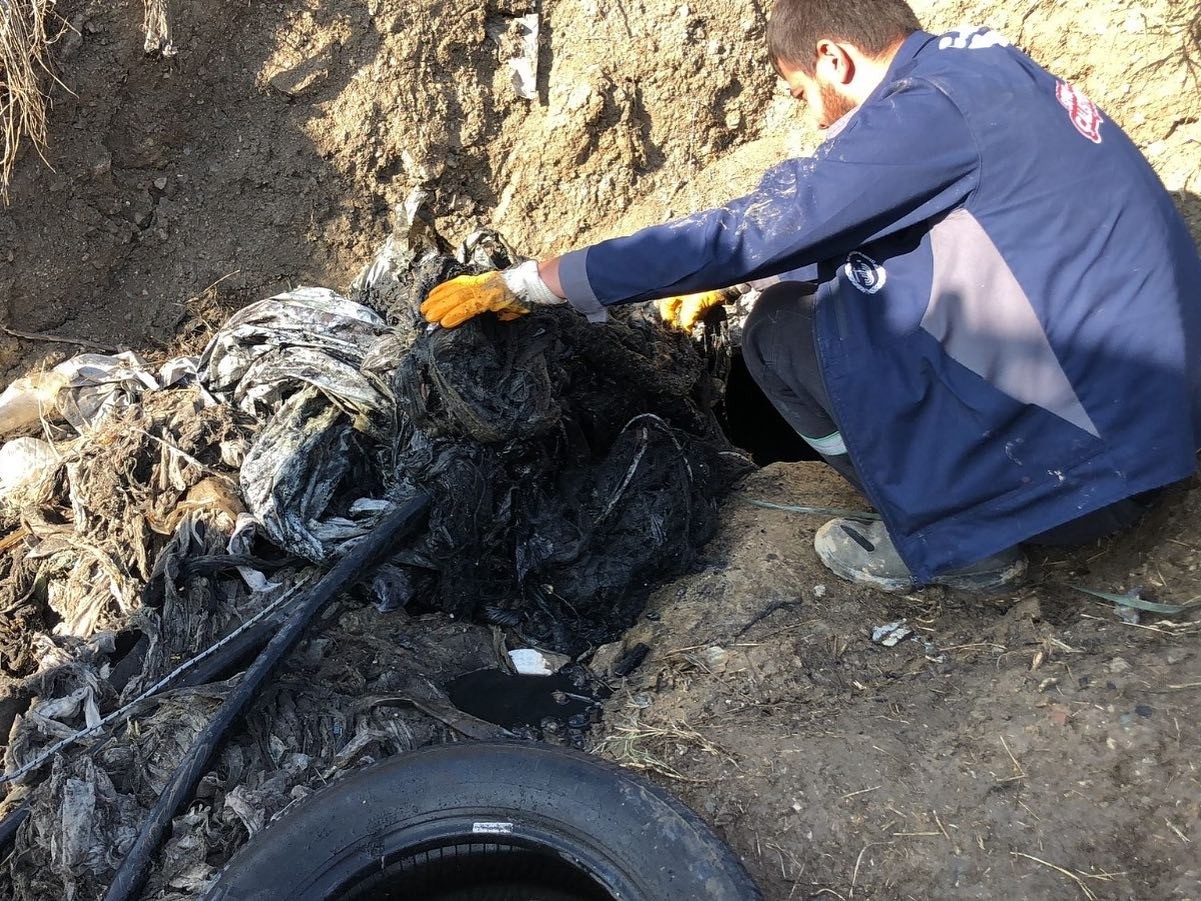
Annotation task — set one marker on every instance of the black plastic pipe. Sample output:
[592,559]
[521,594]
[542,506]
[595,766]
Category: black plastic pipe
[131,875]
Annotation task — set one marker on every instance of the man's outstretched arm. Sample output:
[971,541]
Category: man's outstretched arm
[548,269]
[509,296]
[896,164]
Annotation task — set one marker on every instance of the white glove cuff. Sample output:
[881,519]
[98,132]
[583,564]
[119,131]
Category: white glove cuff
[524,281]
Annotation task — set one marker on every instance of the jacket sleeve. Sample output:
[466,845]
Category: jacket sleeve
[904,157]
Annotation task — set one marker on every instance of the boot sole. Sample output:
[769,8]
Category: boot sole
[975,583]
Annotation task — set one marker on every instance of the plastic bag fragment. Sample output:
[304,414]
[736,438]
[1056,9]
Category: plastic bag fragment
[24,460]
[86,389]
[296,362]
[310,336]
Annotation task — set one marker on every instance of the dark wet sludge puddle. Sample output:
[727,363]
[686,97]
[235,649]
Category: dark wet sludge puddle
[562,706]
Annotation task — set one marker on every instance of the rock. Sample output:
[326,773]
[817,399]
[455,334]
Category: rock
[1059,714]
[1119,665]
[604,658]
[139,209]
[102,165]
[716,658]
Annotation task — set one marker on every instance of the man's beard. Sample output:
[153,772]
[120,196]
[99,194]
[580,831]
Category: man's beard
[835,104]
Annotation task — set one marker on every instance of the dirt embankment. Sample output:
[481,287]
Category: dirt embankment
[274,146]
[271,150]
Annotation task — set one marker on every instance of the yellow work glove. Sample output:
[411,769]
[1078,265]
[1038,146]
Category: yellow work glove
[508,294]
[686,311]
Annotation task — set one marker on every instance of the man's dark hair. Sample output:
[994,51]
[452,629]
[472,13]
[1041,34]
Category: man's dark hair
[873,26]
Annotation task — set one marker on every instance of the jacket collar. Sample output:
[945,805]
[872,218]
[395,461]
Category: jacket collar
[909,48]
[905,54]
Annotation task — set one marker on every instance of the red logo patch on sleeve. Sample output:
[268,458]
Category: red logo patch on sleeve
[1082,111]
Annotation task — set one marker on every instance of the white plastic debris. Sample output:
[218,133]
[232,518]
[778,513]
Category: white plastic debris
[85,389]
[177,372]
[28,400]
[1126,614]
[891,634]
[100,385]
[930,649]
[308,336]
[385,276]
[24,460]
[241,543]
[533,662]
[522,31]
[525,66]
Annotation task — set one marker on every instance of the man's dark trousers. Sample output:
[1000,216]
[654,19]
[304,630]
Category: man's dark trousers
[780,352]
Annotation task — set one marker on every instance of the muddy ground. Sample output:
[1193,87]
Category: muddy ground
[1030,746]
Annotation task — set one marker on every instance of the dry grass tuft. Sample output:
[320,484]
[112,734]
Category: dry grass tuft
[641,746]
[157,22]
[25,38]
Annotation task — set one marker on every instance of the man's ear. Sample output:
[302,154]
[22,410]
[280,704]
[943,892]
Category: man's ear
[834,64]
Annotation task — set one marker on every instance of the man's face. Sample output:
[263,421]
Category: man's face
[824,98]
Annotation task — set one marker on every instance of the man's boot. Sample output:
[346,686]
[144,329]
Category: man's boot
[862,552]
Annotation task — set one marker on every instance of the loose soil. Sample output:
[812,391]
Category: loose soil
[1026,746]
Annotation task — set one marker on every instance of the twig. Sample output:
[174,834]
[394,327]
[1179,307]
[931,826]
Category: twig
[1120,622]
[858,861]
[204,291]
[1075,877]
[1180,835]
[1019,772]
[15,537]
[862,791]
[188,458]
[941,827]
[60,339]
[855,874]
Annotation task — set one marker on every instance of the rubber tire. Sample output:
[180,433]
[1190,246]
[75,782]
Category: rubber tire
[638,841]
